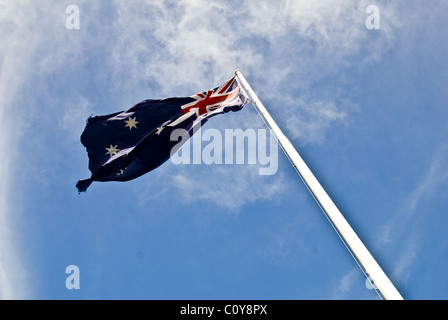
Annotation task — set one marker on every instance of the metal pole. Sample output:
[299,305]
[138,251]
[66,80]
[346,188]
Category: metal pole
[360,252]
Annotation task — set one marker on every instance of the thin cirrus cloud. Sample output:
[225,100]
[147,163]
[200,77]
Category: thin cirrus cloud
[188,46]
[30,53]
[406,222]
[206,39]
[15,57]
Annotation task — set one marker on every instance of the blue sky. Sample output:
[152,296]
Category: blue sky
[366,109]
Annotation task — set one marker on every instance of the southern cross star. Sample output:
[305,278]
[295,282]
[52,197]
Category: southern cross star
[131,123]
[112,150]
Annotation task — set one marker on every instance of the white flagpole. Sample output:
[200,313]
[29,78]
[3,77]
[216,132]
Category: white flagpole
[371,268]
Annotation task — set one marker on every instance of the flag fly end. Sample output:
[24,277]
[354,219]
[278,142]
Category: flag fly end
[82,185]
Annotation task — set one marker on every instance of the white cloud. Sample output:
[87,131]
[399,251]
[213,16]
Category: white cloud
[283,46]
[345,284]
[74,117]
[36,44]
[180,47]
[15,56]
[435,176]
[313,119]
[404,227]
[229,186]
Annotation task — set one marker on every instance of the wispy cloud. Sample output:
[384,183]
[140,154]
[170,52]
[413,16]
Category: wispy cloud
[36,45]
[344,286]
[288,49]
[403,227]
[229,186]
[12,275]
[74,117]
[285,47]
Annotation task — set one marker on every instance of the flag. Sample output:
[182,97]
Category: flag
[125,145]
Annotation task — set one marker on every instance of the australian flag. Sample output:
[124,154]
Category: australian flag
[125,145]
